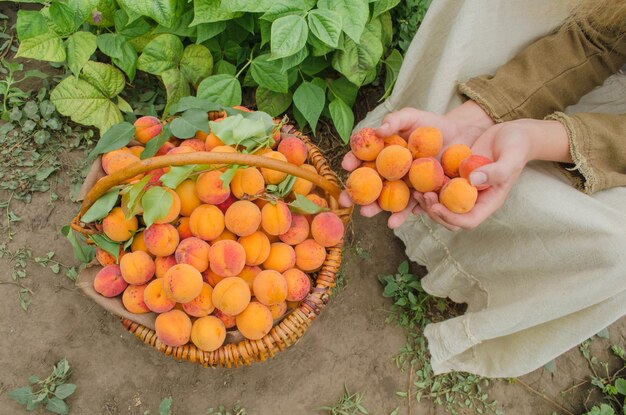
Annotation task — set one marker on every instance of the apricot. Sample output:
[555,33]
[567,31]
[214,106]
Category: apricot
[273,176]
[366,145]
[301,186]
[248,181]
[270,287]
[248,274]
[327,228]
[202,305]
[364,186]
[211,141]
[298,284]
[278,310]
[229,321]
[189,200]
[226,235]
[193,251]
[243,218]
[109,281]
[155,176]
[310,255]
[226,204]
[223,149]
[294,150]
[471,163]
[132,299]
[105,159]
[155,299]
[105,258]
[255,321]
[297,232]
[119,161]
[281,257]
[194,143]
[276,218]
[452,157]
[173,328]
[208,333]
[211,278]
[318,200]
[184,231]
[227,258]
[393,162]
[425,142]
[136,150]
[137,268]
[165,148]
[162,264]
[161,239]
[426,175]
[458,195]
[256,246]
[182,283]
[138,243]
[146,128]
[180,150]
[206,222]
[231,296]
[395,196]
[117,227]
[395,140]
[210,188]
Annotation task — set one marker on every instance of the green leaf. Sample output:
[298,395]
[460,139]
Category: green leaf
[342,117]
[30,24]
[80,46]
[131,197]
[101,207]
[64,390]
[57,406]
[130,29]
[107,78]
[313,65]
[190,122]
[156,203]
[82,251]
[325,26]
[304,205]
[251,6]
[160,54]
[156,143]
[403,268]
[164,12]
[196,63]
[123,105]
[176,86]
[209,11]
[225,67]
[268,74]
[165,407]
[620,385]
[356,61]
[222,89]
[309,99]
[282,8]
[208,31]
[177,175]
[64,18]
[353,15]
[85,104]
[288,36]
[392,65]
[382,6]
[122,53]
[386,29]
[228,175]
[22,395]
[343,89]
[186,103]
[293,60]
[44,47]
[116,137]
[181,26]
[274,103]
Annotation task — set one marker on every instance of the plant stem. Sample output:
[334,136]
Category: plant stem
[541,395]
[244,67]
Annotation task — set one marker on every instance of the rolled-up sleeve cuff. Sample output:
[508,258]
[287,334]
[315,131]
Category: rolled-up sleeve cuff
[487,97]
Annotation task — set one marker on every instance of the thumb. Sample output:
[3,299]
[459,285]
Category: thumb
[500,171]
[397,121]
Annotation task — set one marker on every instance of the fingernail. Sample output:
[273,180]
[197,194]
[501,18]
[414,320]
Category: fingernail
[384,126]
[477,178]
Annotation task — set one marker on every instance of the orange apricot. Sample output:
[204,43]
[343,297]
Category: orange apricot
[211,278]
[310,255]
[458,195]
[298,284]
[395,140]
[301,186]
[132,299]
[294,150]
[297,232]
[109,281]
[248,274]
[189,200]
[426,175]
[393,162]
[117,227]
[223,149]
[256,246]
[202,305]
[155,299]
[138,243]
[206,222]
[162,264]
[173,328]
[210,188]
[248,181]
[208,333]
[227,258]
[276,218]
[184,230]
[255,321]
[182,283]
[364,185]
[193,251]
[137,267]
[194,143]
[318,200]
[327,229]
[105,258]
[229,321]
[395,196]
[452,157]
[161,239]
[243,218]
[226,235]
[231,296]
[211,141]
[281,257]
[165,148]
[278,310]
[425,142]
[366,145]
[471,163]
[273,176]
[146,128]
[270,287]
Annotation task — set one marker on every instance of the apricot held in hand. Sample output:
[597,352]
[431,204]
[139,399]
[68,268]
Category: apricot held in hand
[425,142]
[394,162]
[426,175]
[364,186]
[470,164]
[452,157]
[458,195]
[395,196]
[366,145]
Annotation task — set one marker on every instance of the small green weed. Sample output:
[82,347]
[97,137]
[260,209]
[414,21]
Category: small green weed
[165,407]
[348,404]
[50,392]
[412,310]
[237,409]
[409,16]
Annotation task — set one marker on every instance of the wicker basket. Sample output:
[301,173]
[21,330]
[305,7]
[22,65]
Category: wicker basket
[295,323]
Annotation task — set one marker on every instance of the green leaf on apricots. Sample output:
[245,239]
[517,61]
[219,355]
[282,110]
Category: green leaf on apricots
[106,244]
[190,122]
[131,197]
[283,188]
[304,206]
[156,203]
[116,137]
[228,175]
[156,143]
[238,130]
[342,117]
[177,175]
[82,251]
[101,207]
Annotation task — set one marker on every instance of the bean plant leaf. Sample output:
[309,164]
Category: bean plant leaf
[342,117]
[251,6]
[116,137]
[289,34]
[382,6]
[620,386]
[80,46]
[30,24]
[392,67]
[190,122]
[156,202]
[107,78]
[44,47]
[209,11]
[196,63]
[160,54]
[82,251]
[122,53]
[176,86]
[130,29]
[282,8]
[343,89]
[309,99]
[325,25]
[268,74]
[274,103]
[101,207]
[356,61]
[164,12]
[177,175]
[208,31]
[222,89]
[63,17]
[353,15]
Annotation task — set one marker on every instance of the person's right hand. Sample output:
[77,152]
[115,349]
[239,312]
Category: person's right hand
[462,125]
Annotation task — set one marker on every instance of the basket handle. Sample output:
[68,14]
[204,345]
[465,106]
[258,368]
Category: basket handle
[106,183]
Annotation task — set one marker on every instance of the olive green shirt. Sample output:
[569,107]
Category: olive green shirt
[552,73]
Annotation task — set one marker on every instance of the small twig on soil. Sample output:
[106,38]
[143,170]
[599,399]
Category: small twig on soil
[6,51]
[541,395]
[575,386]
[409,392]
